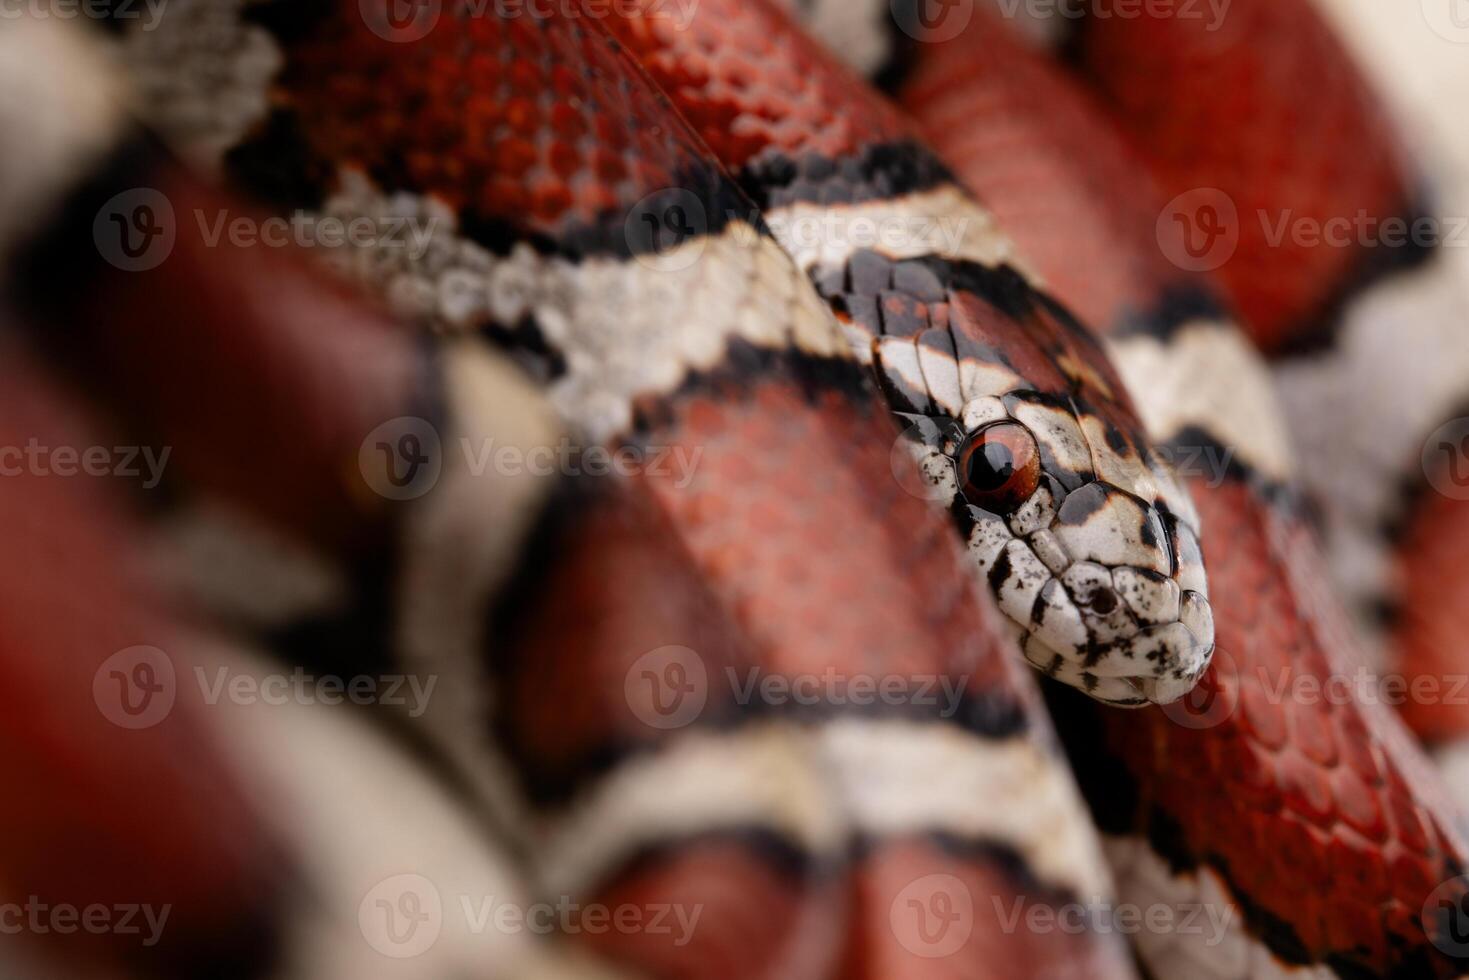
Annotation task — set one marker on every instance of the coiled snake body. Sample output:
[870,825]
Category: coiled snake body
[621,205]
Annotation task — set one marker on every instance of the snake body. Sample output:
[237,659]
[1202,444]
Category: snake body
[1020,131]
[1048,550]
[796,829]
[617,207]
[1097,555]
[1351,318]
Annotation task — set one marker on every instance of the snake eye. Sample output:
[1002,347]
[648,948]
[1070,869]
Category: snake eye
[1000,467]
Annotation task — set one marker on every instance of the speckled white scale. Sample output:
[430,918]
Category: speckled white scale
[1114,690]
[1197,615]
[937,471]
[1153,598]
[987,539]
[1111,625]
[1084,578]
[1191,575]
[1169,643]
[1060,625]
[941,378]
[1035,514]
[899,356]
[979,412]
[1121,469]
[983,380]
[1207,375]
[1058,434]
[1103,535]
[607,316]
[1027,576]
[943,221]
[204,77]
[1047,548]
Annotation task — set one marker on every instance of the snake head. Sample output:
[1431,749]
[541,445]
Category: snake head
[1078,525]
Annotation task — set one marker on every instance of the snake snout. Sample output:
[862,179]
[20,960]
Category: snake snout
[1126,636]
[1111,596]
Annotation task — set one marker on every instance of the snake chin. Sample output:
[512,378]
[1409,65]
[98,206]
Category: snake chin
[1128,634]
[1157,664]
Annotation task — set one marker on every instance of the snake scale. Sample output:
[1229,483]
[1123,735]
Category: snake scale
[874,320]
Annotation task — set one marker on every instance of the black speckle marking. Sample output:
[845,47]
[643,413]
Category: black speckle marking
[1147,531]
[1096,651]
[1118,442]
[1038,608]
[1000,572]
[1163,654]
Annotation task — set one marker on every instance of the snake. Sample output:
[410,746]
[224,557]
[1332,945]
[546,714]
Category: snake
[1087,542]
[1005,399]
[1345,325]
[259,839]
[1074,179]
[805,836]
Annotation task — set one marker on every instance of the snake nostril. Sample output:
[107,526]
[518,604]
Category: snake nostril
[1103,601]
